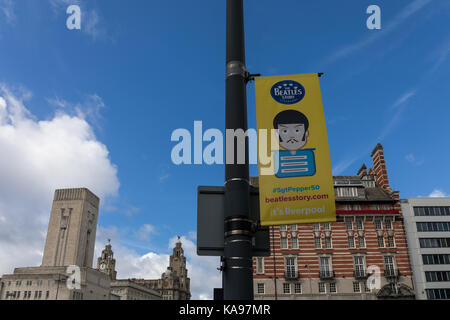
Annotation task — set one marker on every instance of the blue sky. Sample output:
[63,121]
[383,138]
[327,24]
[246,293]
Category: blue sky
[138,70]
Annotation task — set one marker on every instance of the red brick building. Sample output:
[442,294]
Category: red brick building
[336,260]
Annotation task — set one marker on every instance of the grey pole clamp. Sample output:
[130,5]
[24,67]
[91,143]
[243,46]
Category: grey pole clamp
[237,179]
[236,68]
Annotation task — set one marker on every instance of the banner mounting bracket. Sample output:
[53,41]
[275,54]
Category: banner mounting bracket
[251,77]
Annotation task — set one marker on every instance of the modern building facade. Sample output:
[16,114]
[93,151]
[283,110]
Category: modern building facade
[363,255]
[427,224]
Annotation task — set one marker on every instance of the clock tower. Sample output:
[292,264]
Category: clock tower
[106,263]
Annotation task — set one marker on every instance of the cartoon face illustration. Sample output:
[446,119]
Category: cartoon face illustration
[292,129]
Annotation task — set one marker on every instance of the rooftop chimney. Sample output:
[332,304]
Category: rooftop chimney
[363,171]
[379,167]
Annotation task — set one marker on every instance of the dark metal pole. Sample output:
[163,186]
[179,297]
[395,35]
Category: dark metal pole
[238,266]
[274,263]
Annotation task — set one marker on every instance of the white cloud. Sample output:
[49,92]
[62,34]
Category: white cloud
[404,98]
[344,164]
[37,157]
[400,106]
[164,177]
[438,194]
[164,173]
[440,55]
[58,102]
[144,232]
[89,109]
[130,264]
[58,5]
[411,158]
[7,9]
[93,25]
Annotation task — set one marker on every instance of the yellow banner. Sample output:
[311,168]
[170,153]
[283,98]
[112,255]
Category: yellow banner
[295,178]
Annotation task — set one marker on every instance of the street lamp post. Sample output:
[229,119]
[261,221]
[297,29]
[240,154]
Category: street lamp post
[237,260]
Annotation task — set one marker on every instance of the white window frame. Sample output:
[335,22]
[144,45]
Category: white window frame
[286,242]
[286,285]
[317,243]
[389,265]
[348,192]
[393,242]
[261,261]
[290,267]
[294,240]
[383,245]
[356,285]
[261,285]
[348,222]
[359,242]
[390,224]
[378,224]
[357,224]
[335,287]
[359,263]
[325,267]
[322,284]
[352,239]
[297,285]
[328,245]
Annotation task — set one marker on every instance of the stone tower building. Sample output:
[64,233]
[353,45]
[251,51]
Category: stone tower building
[178,262]
[106,262]
[72,229]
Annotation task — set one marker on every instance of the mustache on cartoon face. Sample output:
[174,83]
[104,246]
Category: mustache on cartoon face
[292,140]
